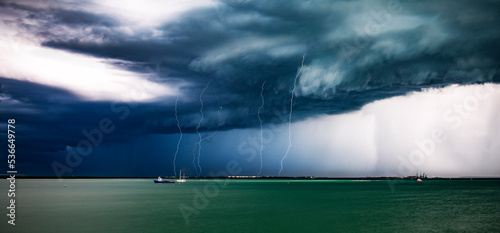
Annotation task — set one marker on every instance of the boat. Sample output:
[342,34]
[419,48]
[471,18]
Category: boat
[419,180]
[160,180]
[181,180]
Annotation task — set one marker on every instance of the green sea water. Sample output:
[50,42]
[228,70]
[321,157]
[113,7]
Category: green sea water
[139,205]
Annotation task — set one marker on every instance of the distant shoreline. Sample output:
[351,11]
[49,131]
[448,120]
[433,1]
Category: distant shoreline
[261,178]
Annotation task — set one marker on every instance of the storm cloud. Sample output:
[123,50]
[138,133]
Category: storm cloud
[67,65]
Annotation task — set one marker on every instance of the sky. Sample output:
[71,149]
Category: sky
[255,88]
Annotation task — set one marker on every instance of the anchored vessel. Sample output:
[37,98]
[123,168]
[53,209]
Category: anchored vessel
[160,180]
[181,179]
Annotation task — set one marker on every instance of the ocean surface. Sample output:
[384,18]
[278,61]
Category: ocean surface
[139,205]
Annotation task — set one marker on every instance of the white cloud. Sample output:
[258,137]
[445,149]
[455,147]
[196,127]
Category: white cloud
[338,144]
[451,131]
[318,78]
[281,46]
[147,13]
[90,78]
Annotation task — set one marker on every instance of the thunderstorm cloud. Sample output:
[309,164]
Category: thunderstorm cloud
[379,78]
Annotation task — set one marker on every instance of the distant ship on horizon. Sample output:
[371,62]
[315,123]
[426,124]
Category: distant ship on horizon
[160,180]
[181,179]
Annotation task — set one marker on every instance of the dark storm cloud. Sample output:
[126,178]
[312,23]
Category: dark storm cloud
[356,52]
[370,50]
[50,122]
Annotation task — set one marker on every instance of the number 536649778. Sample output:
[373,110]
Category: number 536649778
[11,145]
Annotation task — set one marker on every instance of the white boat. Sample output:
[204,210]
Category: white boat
[181,180]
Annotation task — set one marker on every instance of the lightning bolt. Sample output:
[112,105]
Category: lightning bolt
[198,130]
[194,158]
[180,131]
[290,116]
[258,115]
[219,108]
